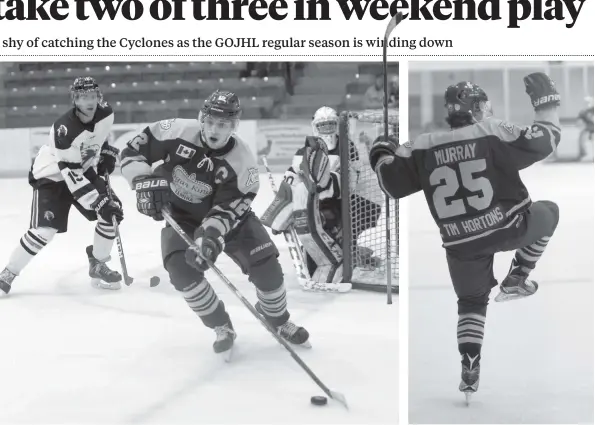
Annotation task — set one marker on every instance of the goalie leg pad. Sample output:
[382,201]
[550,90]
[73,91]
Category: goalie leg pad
[278,216]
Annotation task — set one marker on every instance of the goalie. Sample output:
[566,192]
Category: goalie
[309,199]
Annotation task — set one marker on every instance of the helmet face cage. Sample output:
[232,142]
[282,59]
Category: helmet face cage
[325,124]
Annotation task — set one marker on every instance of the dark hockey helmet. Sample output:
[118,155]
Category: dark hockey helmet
[83,85]
[222,104]
[466,103]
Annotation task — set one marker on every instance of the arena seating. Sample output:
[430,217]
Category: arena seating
[36,93]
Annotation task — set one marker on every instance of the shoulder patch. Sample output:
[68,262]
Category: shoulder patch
[166,124]
[62,131]
[253,177]
[507,126]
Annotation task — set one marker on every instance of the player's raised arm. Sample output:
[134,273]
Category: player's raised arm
[395,167]
[522,147]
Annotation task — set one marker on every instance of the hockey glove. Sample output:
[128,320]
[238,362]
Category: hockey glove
[107,159]
[152,194]
[316,167]
[106,209]
[542,91]
[383,151]
[208,245]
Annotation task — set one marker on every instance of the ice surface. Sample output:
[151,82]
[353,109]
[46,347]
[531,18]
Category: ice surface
[70,353]
[537,362]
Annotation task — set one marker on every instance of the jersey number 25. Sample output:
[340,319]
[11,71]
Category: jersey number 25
[448,184]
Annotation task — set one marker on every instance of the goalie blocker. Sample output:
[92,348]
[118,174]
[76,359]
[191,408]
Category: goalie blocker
[298,206]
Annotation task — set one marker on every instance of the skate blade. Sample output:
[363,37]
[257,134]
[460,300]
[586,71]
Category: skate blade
[306,344]
[503,297]
[226,356]
[468,395]
[100,284]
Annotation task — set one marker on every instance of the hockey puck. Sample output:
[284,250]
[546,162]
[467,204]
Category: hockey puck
[154,281]
[318,400]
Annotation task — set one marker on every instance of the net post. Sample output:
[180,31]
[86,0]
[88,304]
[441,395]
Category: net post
[344,158]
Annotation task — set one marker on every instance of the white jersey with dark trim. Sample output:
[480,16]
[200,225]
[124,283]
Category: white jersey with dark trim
[73,151]
[470,175]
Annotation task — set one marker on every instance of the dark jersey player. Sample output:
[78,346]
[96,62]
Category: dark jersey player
[68,171]
[209,177]
[470,177]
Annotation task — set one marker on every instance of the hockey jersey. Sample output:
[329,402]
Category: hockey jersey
[72,153]
[211,188]
[470,175]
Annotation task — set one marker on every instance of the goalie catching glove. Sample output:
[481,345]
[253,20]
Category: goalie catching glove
[152,195]
[207,246]
[542,91]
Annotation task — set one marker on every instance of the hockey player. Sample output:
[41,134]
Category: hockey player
[67,171]
[321,229]
[470,177]
[586,135]
[210,178]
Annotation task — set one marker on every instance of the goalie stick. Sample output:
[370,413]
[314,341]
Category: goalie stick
[392,24]
[297,256]
[332,394]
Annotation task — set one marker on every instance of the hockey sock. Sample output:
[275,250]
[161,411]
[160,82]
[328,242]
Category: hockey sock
[470,333]
[30,244]
[204,302]
[526,258]
[103,240]
[274,305]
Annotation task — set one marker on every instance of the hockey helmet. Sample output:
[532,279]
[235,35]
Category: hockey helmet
[466,103]
[325,124]
[85,105]
[219,118]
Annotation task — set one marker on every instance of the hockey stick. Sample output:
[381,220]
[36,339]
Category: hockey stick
[127,279]
[392,24]
[332,394]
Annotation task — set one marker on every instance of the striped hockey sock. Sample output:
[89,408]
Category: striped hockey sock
[103,240]
[526,258]
[31,243]
[274,305]
[470,333]
[205,303]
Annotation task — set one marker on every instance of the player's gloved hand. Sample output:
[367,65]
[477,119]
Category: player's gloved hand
[315,167]
[542,91]
[208,245]
[152,194]
[106,209]
[383,151]
[107,159]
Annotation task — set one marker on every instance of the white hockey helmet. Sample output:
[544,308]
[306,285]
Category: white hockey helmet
[325,124]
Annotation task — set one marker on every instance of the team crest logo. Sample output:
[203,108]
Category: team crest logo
[166,124]
[88,153]
[185,152]
[252,177]
[62,131]
[48,216]
[187,187]
[507,126]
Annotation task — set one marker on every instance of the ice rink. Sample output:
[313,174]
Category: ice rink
[537,357]
[73,354]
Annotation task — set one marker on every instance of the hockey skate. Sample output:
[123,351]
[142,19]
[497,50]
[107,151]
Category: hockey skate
[469,375]
[224,343]
[290,332]
[514,287]
[6,278]
[102,277]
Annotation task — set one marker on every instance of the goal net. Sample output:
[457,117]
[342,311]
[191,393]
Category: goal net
[370,230]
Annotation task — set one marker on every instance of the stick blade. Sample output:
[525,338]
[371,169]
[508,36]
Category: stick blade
[392,24]
[128,280]
[339,397]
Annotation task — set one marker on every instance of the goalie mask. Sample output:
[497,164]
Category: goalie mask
[466,104]
[325,124]
[85,96]
[219,118]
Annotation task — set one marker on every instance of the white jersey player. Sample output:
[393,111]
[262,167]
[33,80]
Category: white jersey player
[67,171]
